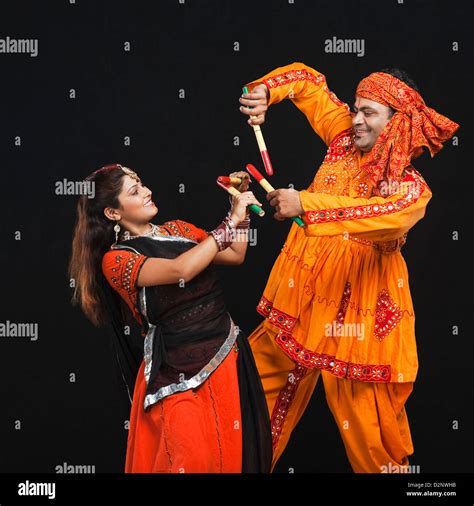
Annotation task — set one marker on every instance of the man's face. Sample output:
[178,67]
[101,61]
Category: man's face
[369,120]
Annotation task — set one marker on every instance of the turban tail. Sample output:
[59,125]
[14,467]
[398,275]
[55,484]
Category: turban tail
[413,126]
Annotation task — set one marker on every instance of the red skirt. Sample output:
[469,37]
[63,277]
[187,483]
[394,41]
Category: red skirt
[197,431]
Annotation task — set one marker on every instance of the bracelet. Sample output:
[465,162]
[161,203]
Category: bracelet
[231,226]
[224,234]
[219,236]
[244,224]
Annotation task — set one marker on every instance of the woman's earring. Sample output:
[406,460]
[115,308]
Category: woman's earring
[117,230]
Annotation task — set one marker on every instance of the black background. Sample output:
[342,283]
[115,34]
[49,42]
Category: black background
[190,141]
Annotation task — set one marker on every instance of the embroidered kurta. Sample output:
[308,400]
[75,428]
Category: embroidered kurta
[338,296]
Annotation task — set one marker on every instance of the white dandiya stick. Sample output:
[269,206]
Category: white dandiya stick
[258,176]
[261,144]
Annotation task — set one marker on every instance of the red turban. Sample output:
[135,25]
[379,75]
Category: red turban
[413,126]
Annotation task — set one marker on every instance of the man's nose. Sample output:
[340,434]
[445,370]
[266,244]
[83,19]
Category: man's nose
[358,119]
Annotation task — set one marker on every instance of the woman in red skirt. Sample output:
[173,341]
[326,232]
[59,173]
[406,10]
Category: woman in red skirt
[197,401]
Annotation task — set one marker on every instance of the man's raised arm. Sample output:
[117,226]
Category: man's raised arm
[308,90]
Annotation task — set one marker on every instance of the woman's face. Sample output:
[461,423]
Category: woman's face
[135,199]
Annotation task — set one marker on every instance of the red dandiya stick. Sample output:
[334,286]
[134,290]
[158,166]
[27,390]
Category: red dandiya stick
[229,180]
[233,191]
[268,187]
[261,144]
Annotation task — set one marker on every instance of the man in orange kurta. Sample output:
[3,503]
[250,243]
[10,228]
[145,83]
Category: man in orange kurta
[337,303]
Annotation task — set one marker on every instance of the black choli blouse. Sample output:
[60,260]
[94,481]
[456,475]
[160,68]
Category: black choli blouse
[188,334]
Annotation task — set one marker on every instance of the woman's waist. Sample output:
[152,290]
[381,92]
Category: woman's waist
[199,325]
[171,311]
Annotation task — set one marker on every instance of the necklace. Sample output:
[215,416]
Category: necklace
[153,231]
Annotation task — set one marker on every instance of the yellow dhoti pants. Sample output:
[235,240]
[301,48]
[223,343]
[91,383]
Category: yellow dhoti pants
[371,417]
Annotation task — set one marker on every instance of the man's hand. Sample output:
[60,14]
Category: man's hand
[255,104]
[286,202]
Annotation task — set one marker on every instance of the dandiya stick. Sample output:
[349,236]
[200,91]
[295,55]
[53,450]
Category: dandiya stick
[229,180]
[233,191]
[261,144]
[268,188]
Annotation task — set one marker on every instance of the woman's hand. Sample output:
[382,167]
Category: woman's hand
[255,104]
[240,202]
[244,185]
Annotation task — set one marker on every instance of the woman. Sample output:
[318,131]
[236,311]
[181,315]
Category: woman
[198,404]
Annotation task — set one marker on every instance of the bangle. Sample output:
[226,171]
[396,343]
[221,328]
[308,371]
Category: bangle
[219,235]
[224,234]
[244,224]
[228,221]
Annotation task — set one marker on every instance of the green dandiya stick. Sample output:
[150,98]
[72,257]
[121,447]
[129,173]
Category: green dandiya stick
[257,210]
[298,220]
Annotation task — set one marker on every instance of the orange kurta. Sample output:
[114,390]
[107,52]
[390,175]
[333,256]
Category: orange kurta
[338,297]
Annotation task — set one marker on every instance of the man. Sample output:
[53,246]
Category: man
[337,303]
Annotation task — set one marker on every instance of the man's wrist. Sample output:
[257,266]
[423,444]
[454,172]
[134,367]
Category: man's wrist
[264,86]
[267,90]
[301,194]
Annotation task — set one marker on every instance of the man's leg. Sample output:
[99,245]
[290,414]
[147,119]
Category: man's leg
[288,386]
[372,421]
